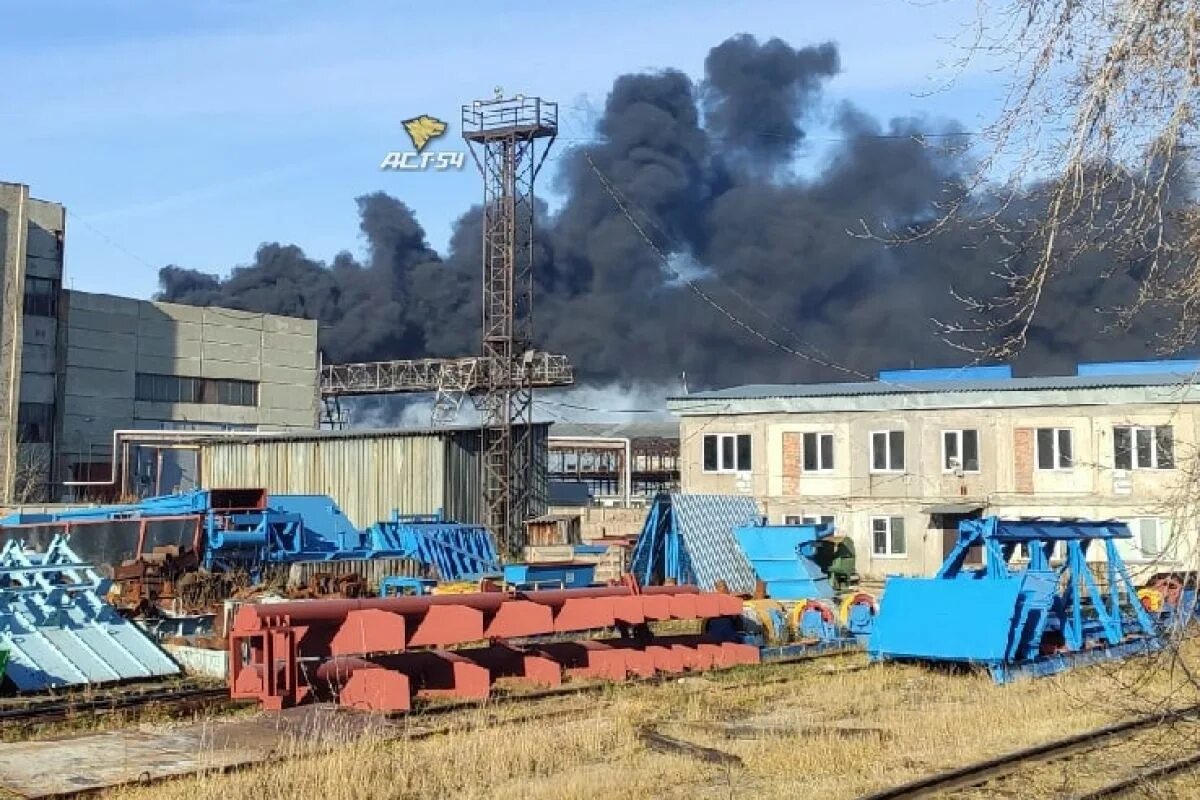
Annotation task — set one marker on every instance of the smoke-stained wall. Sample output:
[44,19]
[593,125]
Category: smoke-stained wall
[707,170]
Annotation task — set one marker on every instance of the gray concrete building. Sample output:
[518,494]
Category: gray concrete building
[31,261]
[133,364]
[897,463]
[75,367]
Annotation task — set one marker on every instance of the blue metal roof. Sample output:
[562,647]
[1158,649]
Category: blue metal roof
[1176,367]
[946,374]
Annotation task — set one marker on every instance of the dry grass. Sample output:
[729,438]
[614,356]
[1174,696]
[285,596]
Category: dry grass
[826,734]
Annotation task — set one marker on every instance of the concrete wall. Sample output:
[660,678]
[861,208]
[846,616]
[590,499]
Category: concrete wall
[600,522]
[110,340]
[31,246]
[1008,482]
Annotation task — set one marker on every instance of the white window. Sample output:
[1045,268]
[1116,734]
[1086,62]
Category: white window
[818,452]
[1149,536]
[960,451]
[727,452]
[887,536]
[1136,447]
[887,451]
[1054,448]
[808,519]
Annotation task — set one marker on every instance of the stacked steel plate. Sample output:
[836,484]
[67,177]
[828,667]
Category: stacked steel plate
[377,654]
[56,629]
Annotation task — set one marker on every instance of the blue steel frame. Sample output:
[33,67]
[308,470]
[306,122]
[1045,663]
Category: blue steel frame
[1105,625]
[293,528]
[58,629]
[659,554]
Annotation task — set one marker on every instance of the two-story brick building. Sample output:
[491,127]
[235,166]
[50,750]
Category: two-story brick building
[896,463]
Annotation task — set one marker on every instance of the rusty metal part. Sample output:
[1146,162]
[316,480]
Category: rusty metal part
[283,653]
[661,743]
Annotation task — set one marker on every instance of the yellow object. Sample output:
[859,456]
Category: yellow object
[849,600]
[422,129]
[760,612]
[1152,600]
[459,587]
[794,615]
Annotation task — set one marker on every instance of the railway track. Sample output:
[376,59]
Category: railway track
[541,707]
[600,688]
[981,773]
[194,698]
[186,698]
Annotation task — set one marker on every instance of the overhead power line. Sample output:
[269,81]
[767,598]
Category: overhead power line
[622,204]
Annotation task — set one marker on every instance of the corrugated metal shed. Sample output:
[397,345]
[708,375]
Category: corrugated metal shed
[370,473]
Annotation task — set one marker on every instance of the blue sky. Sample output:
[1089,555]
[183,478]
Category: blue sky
[190,132]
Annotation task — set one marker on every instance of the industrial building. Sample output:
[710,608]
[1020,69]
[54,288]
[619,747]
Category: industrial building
[898,462]
[370,473]
[77,366]
[615,463]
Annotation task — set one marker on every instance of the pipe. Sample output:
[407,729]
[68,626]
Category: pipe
[139,435]
[250,617]
[624,441]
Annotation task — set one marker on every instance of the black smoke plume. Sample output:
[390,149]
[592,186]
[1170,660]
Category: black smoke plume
[707,169]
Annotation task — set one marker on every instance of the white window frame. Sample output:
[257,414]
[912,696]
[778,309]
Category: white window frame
[1055,452]
[1160,536]
[821,467]
[1133,448]
[958,435]
[808,519]
[887,438]
[890,549]
[722,468]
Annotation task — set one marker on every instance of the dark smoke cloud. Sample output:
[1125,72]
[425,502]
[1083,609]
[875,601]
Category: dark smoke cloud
[704,169]
[757,96]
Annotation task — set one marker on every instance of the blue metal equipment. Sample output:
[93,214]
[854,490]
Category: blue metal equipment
[688,539]
[459,552]
[797,608]
[549,575]
[783,558]
[1036,618]
[245,529]
[59,631]
[397,586]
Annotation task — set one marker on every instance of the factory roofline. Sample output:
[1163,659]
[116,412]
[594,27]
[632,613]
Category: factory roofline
[347,433]
[892,395]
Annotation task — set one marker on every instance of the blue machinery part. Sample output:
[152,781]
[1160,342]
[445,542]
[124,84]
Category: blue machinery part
[551,575]
[59,631]
[460,552]
[398,586]
[1034,619]
[782,558]
[792,563]
[246,529]
[688,538]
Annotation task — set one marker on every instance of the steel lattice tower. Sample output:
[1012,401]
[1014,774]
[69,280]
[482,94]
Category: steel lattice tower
[509,140]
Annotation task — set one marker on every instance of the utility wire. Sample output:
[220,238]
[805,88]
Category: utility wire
[109,240]
[621,203]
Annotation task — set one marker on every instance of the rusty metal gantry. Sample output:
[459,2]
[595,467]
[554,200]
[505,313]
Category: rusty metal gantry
[509,140]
